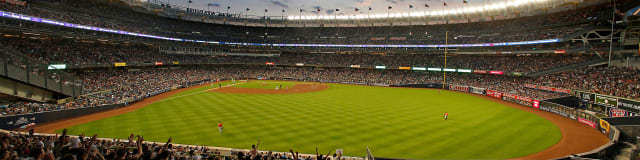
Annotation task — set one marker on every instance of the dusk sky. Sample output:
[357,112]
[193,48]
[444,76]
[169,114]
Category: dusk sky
[327,7]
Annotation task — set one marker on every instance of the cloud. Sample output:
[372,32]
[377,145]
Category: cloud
[280,3]
[214,5]
[330,11]
[315,9]
[395,1]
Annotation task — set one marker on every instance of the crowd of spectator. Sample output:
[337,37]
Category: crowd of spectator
[74,52]
[615,81]
[113,16]
[104,88]
[16,145]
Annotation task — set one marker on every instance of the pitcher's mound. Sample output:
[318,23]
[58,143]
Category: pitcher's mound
[297,88]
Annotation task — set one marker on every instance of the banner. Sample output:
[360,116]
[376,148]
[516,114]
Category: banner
[546,88]
[480,71]
[617,112]
[632,106]
[526,99]
[459,88]
[494,94]
[587,122]
[404,68]
[398,38]
[605,126]
[560,51]
[530,86]
[536,104]
[476,90]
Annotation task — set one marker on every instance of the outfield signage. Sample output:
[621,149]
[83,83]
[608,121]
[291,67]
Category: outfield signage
[494,94]
[629,105]
[496,72]
[269,63]
[477,90]
[459,88]
[587,122]
[299,64]
[464,70]
[480,71]
[120,64]
[57,66]
[419,68]
[536,104]
[434,69]
[530,86]
[158,63]
[381,67]
[404,68]
[449,70]
[355,66]
[559,90]
[617,112]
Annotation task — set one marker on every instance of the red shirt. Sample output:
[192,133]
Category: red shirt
[446,114]
[219,124]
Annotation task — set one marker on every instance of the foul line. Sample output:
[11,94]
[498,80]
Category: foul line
[171,98]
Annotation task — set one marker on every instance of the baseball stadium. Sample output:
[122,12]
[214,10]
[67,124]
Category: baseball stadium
[319,79]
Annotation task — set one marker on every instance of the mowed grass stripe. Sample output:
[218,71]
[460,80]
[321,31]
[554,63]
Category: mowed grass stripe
[393,122]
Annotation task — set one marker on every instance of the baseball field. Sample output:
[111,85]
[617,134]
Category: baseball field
[392,122]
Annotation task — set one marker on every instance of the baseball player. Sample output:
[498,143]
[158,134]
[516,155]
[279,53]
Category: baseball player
[220,127]
[446,115]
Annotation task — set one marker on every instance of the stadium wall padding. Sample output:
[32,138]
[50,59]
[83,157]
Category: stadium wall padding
[17,121]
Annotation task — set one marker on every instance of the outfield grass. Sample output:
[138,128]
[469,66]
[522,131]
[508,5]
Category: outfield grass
[393,122]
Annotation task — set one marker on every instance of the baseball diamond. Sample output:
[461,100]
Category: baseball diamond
[390,121]
[319,80]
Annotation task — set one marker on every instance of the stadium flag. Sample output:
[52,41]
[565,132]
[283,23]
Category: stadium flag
[283,10]
[265,10]
[357,9]
[426,6]
[301,10]
[465,1]
[411,6]
[248,9]
[445,3]
[369,8]
[337,10]
[390,7]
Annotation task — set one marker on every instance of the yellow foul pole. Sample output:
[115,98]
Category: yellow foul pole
[446,42]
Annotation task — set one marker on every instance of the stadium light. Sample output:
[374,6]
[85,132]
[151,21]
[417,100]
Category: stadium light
[466,10]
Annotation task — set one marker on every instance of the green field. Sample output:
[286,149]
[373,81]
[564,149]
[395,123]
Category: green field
[392,122]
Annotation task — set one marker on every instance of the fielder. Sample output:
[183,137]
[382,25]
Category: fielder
[220,127]
[446,115]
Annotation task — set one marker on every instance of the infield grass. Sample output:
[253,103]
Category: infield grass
[392,122]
